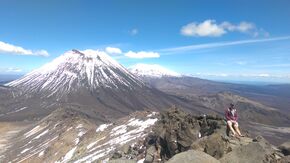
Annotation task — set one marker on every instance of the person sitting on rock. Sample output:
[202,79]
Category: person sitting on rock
[232,117]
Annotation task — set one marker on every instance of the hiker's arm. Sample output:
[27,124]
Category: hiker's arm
[236,117]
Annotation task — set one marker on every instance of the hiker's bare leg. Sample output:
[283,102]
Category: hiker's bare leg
[230,125]
[236,126]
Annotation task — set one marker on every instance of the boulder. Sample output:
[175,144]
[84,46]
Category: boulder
[192,156]
[251,153]
[258,151]
[117,154]
[213,145]
[285,148]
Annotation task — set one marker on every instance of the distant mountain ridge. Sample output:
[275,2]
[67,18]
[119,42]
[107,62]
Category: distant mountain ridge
[271,95]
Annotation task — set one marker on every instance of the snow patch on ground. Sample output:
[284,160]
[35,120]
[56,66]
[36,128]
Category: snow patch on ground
[119,135]
[34,131]
[77,140]
[69,155]
[25,150]
[40,135]
[80,126]
[81,133]
[96,155]
[94,143]
[141,161]
[119,130]
[17,110]
[41,154]
[152,114]
[69,128]
[103,127]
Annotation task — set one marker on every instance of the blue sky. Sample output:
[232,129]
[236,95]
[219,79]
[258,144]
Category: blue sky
[220,40]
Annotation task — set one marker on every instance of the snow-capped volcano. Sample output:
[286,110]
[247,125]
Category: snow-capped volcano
[152,70]
[77,69]
[89,81]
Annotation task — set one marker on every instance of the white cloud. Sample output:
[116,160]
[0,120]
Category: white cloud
[142,54]
[210,28]
[189,48]
[134,31]
[206,28]
[263,75]
[112,50]
[17,50]
[155,70]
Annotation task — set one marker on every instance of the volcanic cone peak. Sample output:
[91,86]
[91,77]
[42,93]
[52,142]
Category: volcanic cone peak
[74,70]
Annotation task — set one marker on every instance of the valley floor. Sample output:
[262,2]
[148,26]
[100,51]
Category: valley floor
[275,135]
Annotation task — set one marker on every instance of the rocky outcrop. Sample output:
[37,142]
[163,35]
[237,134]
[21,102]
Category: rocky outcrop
[192,156]
[176,131]
[285,148]
[181,137]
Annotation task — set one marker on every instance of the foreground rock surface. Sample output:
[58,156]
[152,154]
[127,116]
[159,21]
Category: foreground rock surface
[176,133]
[192,156]
[144,137]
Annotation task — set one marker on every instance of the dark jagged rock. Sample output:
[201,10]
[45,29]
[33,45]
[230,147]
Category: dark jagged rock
[117,155]
[285,148]
[177,130]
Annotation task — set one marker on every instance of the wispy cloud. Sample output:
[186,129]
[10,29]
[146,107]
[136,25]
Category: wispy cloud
[134,31]
[10,70]
[130,54]
[190,48]
[13,69]
[274,65]
[210,28]
[242,75]
[142,54]
[6,48]
[241,62]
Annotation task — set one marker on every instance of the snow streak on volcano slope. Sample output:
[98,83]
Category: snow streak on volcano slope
[74,70]
[154,70]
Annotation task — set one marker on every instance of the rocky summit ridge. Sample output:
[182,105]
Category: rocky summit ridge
[67,135]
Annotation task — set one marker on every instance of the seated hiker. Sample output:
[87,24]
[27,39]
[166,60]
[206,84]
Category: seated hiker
[232,117]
